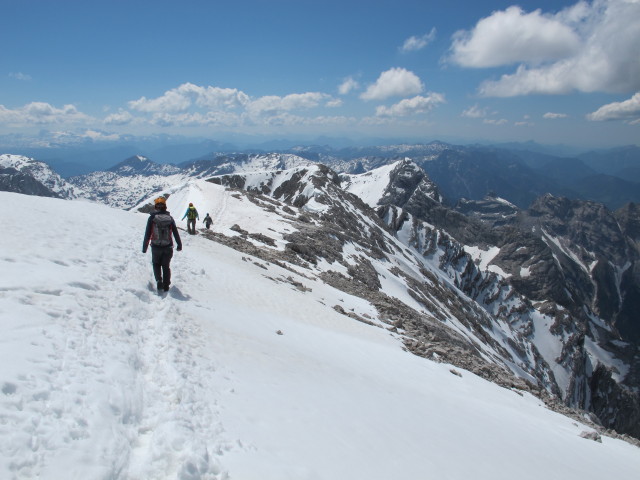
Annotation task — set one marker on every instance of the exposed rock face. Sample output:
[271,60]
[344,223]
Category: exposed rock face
[12,180]
[491,210]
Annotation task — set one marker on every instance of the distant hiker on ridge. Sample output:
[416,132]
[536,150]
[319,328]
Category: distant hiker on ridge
[207,221]
[160,226]
[191,214]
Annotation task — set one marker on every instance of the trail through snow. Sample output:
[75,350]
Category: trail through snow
[103,350]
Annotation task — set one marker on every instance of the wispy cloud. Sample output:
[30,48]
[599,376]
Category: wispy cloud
[396,82]
[495,121]
[122,117]
[474,112]
[587,47]
[414,43]
[295,101]
[20,76]
[629,111]
[348,85]
[553,116]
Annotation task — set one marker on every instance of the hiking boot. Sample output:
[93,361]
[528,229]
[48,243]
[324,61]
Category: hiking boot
[166,287]
[160,286]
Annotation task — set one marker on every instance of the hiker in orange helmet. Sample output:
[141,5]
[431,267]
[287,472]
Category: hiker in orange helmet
[160,227]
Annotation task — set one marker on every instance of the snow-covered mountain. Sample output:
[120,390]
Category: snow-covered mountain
[218,164]
[251,367]
[127,184]
[563,275]
[140,165]
[26,175]
[120,190]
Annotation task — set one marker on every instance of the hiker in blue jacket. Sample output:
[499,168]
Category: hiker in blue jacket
[191,215]
[160,227]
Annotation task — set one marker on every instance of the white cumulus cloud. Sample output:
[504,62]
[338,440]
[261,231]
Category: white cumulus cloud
[396,82]
[193,105]
[628,110]
[41,113]
[411,106]
[513,36]
[587,47]
[185,96]
[414,43]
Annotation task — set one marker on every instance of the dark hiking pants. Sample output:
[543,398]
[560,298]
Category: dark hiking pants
[161,260]
[191,226]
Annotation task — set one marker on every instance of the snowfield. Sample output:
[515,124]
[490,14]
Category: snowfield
[237,373]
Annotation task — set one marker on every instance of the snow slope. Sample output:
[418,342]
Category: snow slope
[370,186]
[236,373]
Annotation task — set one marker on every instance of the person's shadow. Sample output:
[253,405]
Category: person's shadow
[174,292]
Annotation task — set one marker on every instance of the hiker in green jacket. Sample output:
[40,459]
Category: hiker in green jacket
[191,215]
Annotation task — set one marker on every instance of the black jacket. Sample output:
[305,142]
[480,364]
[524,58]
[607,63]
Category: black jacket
[149,230]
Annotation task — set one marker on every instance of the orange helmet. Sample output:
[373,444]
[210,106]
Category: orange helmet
[160,200]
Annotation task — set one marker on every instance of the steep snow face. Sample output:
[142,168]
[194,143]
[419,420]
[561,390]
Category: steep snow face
[42,173]
[370,186]
[244,370]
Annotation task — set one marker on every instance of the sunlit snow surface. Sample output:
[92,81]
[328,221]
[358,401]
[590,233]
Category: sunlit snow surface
[235,373]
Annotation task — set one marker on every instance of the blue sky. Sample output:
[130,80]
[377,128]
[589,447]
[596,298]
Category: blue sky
[553,72]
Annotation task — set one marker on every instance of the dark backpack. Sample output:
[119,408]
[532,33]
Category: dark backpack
[161,233]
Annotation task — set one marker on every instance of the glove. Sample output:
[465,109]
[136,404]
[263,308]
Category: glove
[144,250]
[179,248]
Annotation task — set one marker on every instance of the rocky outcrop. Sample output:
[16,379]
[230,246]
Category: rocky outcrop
[12,180]
[491,210]
[28,176]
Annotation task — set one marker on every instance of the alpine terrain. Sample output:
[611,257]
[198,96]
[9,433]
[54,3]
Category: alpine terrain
[339,320]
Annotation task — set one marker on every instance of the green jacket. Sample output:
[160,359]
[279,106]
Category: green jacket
[191,214]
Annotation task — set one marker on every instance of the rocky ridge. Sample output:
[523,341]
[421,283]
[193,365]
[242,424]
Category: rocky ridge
[569,261]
